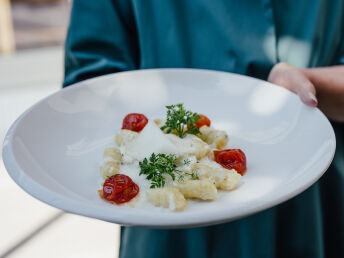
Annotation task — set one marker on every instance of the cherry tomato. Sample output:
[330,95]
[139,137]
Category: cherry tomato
[231,159]
[119,189]
[134,122]
[203,121]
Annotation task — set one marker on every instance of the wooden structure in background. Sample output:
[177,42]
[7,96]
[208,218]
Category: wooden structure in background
[7,44]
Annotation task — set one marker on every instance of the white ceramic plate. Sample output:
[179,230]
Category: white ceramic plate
[53,150]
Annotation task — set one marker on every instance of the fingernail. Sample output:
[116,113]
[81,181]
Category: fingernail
[312,99]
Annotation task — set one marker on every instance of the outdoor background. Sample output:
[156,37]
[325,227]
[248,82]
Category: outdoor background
[32,34]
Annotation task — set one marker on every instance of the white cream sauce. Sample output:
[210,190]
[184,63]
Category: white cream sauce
[152,140]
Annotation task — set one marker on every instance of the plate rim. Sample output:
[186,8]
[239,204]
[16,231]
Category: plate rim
[59,201]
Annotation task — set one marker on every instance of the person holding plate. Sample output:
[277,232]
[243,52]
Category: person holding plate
[298,45]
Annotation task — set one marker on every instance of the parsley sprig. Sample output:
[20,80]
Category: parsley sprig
[158,166]
[181,121]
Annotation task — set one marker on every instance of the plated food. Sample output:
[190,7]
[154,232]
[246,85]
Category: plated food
[165,162]
[80,121]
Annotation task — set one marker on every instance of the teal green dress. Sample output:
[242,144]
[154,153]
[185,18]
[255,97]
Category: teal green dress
[245,37]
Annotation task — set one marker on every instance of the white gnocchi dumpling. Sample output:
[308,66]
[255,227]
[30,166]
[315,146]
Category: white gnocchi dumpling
[125,136]
[217,138]
[167,197]
[190,145]
[111,162]
[224,179]
[203,189]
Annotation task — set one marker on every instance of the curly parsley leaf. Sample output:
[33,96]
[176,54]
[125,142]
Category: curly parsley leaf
[181,121]
[158,166]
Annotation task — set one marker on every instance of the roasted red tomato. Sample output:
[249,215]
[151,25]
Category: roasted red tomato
[232,159]
[119,189]
[134,122]
[203,121]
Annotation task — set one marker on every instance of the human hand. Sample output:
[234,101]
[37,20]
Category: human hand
[327,83]
[293,79]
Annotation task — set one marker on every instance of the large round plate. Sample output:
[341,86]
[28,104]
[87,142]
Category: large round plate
[53,150]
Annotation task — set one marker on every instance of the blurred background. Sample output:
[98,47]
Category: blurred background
[32,34]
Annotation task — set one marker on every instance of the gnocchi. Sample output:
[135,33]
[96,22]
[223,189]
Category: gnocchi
[203,189]
[170,198]
[165,168]
[224,179]
[111,162]
[216,138]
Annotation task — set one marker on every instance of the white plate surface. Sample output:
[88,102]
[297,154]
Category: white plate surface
[53,150]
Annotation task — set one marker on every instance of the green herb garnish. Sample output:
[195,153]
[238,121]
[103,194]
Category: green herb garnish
[193,175]
[159,166]
[186,162]
[181,121]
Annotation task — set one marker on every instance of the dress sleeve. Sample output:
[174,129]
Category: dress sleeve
[341,50]
[101,39]
[341,58]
